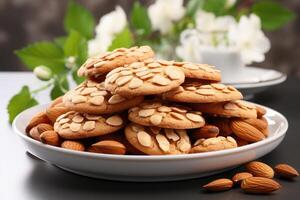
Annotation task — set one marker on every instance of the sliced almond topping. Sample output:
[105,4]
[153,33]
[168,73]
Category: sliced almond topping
[92,117]
[206,92]
[114,120]
[88,90]
[75,127]
[123,80]
[164,109]
[91,83]
[146,112]
[163,142]
[99,64]
[89,125]
[78,99]
[147,76]
[137,65]
[171,134]
[64,126]
[144,139]
[183,145]
[112,78]
[77,118]
[62,121]
[160,80]
[179,110]
[125,72]
[142,73]
[206,87]
[151,105]
[140,69]
[157,70]
[135,83]
[226,90]
[191,88]
[149,60]
[97,100]
[230,106]
[153,65]
[114,99]
[156,119]
[173,73]
[190,66]
[165,62]
[98,93]
[218,86]
[114,71]
[194,117]
[177,115]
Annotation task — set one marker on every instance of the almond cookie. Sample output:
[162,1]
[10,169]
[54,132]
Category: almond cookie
[237,108]
[199,71]
[73,125]
[143,78]
[157,141]
[197,92]
[91,97]
[104,63]
[213,144]
[165,116]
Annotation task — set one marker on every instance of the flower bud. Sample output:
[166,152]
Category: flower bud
[70,62]
[43,73]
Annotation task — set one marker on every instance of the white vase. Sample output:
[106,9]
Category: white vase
[227,60]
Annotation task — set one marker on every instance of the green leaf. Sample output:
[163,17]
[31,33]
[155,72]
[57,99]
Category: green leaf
[215,6]
[122,39]
[61,85]
[73,41]
[80,19]
[60,41]
[140,19]
[82,52]
[192,7]
[42,53]
[20,102]
[272,14]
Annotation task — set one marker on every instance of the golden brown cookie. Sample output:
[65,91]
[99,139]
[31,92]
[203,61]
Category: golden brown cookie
[237,108]
[91,97]
[143,78]
[197,92]
[73,125]
[157,141]
[104,63]
[199,71]
[213,144]
[163,115]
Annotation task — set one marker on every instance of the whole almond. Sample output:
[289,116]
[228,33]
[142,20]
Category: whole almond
[39,118]
[44,127]
[260,111]
[259,185]
[73,145]
[219,185]
[260,169]
[108,147]
[239,177]
[286,171]
[34,133]
[223,125]
[54,112]
[245,131]
[257,123]
[50,138]
[207,131]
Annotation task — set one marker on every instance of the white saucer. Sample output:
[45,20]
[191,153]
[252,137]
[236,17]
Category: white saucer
[253,80]
[150,168]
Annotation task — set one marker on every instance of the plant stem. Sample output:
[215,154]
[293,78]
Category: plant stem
[42,88]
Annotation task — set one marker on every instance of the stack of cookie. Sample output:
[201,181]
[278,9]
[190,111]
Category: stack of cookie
[134,104]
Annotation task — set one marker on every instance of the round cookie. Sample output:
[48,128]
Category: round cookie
[199,71]
[91,97]
[104,63]
[196,92]
[73,125]
[157,141]
[236,108]
[143,78]
[213,144]
[162,115]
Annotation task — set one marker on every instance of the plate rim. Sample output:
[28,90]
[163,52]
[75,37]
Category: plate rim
[211,154]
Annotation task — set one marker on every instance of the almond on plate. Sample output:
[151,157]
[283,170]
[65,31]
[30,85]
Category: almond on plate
[260,169]
[246,131]
[50,137]
[239,177]
[39,118]
[73,145]
[286,171]
[259,185]
[219,185]
[108,147]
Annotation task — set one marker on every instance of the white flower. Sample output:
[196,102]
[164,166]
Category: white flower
[208,22]
[229,3]
[42,72]
[249,39]
[163,13]
[109,25]
[190,45]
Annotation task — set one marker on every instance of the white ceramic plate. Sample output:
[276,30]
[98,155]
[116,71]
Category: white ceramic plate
[150,168]
[253,80]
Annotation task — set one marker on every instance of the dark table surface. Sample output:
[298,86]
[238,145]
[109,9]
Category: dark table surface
[27,178]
